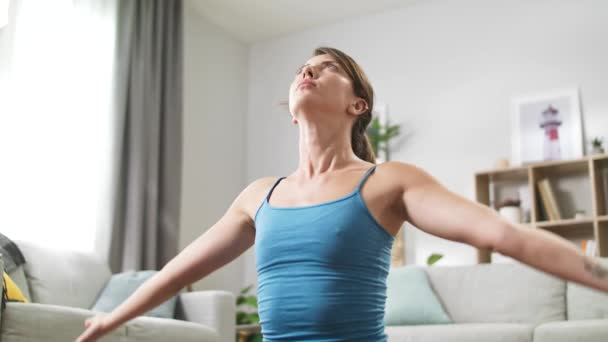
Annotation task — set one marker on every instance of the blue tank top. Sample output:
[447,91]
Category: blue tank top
[322,270]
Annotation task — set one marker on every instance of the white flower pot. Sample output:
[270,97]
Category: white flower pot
[512,214]
[597,150]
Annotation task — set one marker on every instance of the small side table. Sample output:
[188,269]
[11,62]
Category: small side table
[245,330]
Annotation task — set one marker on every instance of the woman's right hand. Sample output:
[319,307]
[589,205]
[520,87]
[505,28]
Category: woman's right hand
[96,327]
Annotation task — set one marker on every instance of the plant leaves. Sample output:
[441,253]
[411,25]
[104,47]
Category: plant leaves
[252,300]
[433,258]
[248,300]
[241,318]
[246,289]
[253,318]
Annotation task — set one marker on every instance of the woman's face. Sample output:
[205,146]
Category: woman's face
[320,86]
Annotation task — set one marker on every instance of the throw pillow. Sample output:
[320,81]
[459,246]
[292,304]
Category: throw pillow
[13,293]
[123,285]
[411,299]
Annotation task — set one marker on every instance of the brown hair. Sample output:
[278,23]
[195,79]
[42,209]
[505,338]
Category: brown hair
[363,89]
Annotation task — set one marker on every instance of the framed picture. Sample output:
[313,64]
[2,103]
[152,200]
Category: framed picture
[546,126]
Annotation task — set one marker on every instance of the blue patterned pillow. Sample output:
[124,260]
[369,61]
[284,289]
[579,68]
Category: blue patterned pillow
[122,285]
[410,299]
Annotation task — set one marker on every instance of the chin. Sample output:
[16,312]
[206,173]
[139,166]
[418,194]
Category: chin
[311,105]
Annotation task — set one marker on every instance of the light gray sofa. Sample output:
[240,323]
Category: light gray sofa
[62,286]
[510,302]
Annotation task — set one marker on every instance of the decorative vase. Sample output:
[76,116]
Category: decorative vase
[597,150]
[511,213]
[501,163]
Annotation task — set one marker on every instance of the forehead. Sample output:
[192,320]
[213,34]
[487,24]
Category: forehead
[320,59]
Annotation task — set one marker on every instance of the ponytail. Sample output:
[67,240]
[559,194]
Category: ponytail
[360,141]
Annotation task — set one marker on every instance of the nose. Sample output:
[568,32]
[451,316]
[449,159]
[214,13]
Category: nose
[308,71]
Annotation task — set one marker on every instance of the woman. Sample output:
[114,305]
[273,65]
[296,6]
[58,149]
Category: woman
[323,233]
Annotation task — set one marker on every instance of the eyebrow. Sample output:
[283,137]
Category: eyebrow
[327,61]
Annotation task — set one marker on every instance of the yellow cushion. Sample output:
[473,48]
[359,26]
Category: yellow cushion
[12,291]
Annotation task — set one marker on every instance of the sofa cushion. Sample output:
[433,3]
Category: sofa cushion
[152,329]
[585,302]
[122,285]
[466,332]
[63,277]
[410,299]
[49,323]
[569,331]
[499,293]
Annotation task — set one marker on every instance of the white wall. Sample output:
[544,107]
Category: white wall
[6,42]
[215,93]
[447,70]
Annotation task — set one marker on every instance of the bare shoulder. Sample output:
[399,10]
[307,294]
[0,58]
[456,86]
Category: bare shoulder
[261,183]
[260,186]
[399,166]
[252,196]
[396,180]
[402,175]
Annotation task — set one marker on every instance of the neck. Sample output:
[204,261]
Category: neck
[323,148]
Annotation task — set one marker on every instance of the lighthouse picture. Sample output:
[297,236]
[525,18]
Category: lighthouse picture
[546,127]
[550,122]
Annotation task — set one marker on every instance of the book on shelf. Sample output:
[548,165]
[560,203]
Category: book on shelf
[552,199]
[589,247]
[544,196]
[548,200]
[605,181]
[544,201]
[542,214]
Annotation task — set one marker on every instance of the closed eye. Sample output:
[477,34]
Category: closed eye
[331,64]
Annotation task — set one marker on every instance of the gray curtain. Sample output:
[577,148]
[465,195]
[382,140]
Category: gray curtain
[149,108]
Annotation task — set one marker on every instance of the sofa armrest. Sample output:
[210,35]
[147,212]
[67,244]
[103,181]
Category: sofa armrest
[1,287]
[214,308]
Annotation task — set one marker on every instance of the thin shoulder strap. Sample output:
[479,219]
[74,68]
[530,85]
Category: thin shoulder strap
[266,198]
[367,173]
[272,187]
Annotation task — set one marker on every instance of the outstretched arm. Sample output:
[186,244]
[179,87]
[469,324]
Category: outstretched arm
[431,207]
[228,238]
[553,254]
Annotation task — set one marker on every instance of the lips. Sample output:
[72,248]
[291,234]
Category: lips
[307,82]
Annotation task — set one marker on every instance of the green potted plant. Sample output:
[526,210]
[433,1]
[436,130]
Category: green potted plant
[247,314]
[596,145]
[379,136]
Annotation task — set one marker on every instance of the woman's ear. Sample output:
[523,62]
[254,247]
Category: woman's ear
[359,106]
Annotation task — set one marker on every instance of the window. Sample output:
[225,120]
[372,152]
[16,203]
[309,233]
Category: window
[56,124]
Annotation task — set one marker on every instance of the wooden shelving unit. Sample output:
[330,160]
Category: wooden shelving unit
[579,185]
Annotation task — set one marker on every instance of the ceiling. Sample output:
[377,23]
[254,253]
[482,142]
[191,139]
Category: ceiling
[256,20]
